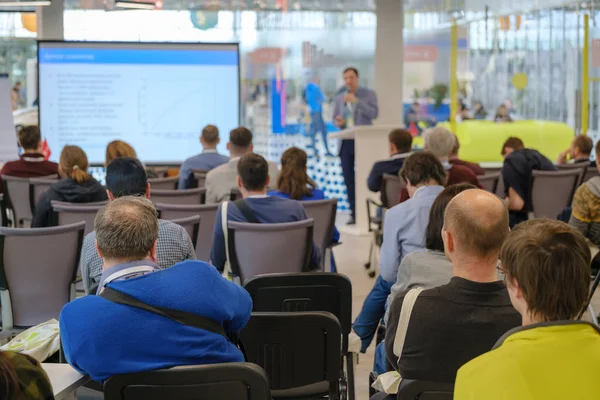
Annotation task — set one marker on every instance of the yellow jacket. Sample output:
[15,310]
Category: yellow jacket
[545,361]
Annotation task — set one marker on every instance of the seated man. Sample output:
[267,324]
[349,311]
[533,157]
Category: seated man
[553,355]
[579,152]
[585,215]
[519,162]
[126,177]
[252,181]
[104,336]
[400,141]
[32,162]
[207,160]
[403,232]
[454,323]
[222,180]
[454,160]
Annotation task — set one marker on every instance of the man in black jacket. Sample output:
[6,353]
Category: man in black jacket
[400,146]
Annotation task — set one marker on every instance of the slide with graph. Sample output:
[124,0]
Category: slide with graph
[157,97]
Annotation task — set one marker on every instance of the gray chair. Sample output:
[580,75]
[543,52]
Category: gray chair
[191,225]
[491,170]
[199,176]
[235,195]
[70,213]
[169,183]
[323,213]
[17,198]
[37,186]
[35,285]
[257,249]
[391,188]
[552,191]
[231,381]
[582,167]
[182,197]
[591,173]
[489,181]
[207,213]
[500,189]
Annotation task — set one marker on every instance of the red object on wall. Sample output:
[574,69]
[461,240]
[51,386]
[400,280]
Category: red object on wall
[46,150]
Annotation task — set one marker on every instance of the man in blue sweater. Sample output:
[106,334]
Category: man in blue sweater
[207,160]
[253,180]
[102,337]
[400,141]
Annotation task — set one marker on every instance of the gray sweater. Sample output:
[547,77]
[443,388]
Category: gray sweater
[426,269]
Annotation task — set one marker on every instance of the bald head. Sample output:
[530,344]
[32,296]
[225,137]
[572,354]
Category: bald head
[478,223]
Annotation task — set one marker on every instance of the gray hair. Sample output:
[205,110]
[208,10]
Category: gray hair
[126,228]
[439,141]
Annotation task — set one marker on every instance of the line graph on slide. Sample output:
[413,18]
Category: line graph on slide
[175,108]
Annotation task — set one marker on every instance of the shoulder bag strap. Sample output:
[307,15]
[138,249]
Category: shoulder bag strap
[227,269]
[182,317]
[246,211]
[407,306]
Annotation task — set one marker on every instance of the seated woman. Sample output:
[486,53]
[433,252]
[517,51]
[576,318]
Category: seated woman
[23,378]
[294,183]
[76,186]
[118,149]
[502,114]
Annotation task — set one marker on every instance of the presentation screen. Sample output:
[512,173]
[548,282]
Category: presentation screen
[156,97]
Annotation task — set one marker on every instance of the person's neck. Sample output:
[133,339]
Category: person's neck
[255,193]
[31,151]
[475,269]
[237,154]
[453,157]
[209,147]
[528,319]
[113,263]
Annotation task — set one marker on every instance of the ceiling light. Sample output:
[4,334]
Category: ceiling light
[138,5]
[25,3]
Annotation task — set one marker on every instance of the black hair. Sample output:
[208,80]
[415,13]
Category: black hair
[126,176]
[253,171]
[353,70]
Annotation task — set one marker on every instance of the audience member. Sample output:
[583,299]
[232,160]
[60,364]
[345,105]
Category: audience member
[252,181]
[400,145]
[104,335]
[119,148]
[553,355]
[223,179]
[125,176]
[454,160]
[579,152]
[207,160]
[440,142]
[77,186]
[32,162]
[454,323]
[585,215]
[479,111]
[519,162]
[502,114]
[23,378]
[403,232]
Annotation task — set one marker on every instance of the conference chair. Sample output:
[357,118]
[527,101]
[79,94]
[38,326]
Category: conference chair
[198,178]
[236,195]
[582,167]
[37,186]
[38,267]
[491,170]
[168,183]
[70,213]
[552,191]
[181,197]
[308,292]
[231,381]
[191,225]
[591,173]
[500,189]
[300,351]
[17,198]
[489,181]
[257,249]
[3,215]
[323,213]
[207,213]
[422,390]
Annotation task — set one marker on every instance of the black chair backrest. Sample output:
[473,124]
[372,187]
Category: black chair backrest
[231,381]
[391,188]
[197,178]
[295,349]
[421,390]
[308,291]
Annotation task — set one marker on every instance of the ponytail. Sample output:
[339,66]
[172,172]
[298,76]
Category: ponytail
[293,179]
[80,176]
[74,163]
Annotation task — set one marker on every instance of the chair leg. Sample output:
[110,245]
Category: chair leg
[350,369]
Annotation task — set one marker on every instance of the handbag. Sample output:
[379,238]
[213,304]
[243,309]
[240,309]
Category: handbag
[39,342]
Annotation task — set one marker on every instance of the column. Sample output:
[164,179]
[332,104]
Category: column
[389,62]
[50,21]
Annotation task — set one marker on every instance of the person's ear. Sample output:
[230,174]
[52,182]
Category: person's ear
[252,148]
[111,197]
[448,240]
[228,146]
[202,141]
[98,249]
[153,256]
[147,190]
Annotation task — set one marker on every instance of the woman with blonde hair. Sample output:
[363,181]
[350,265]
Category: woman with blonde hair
[75,186]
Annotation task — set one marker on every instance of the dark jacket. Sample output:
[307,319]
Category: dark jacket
[66,190]
[391,166]
[30,165]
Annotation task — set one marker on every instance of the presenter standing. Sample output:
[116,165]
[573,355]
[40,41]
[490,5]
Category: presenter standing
[355,106]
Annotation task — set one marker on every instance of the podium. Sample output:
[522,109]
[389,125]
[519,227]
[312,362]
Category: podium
[370,145]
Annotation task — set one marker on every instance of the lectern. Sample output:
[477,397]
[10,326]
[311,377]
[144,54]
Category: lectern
[371,145]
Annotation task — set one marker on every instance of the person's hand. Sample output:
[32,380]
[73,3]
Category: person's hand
[340,122]
[350,98]
[562,157]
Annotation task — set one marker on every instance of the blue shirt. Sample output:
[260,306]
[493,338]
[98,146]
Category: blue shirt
[102,338]
[314,97]
[269,210]
[206,160]
[316,195]
[365,111]
[404,230]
